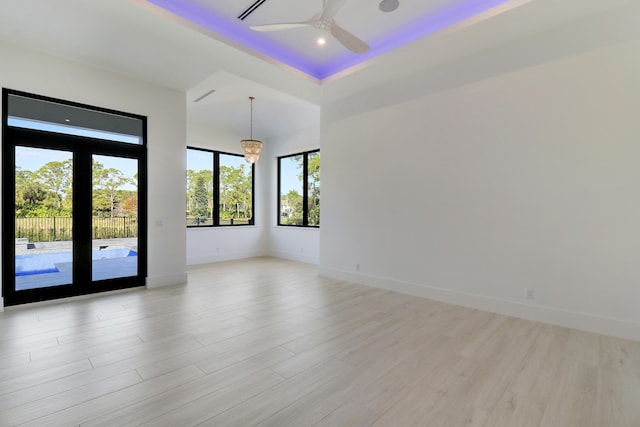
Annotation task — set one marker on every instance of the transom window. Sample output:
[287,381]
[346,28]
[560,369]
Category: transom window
[38,113]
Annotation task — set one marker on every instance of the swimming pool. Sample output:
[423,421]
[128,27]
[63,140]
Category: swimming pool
[42,263]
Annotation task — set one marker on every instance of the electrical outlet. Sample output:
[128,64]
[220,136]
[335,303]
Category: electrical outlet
[357,267]
[531,294]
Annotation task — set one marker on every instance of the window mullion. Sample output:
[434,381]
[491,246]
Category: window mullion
[305,190]
[216,189]
[279,191]
[252,220]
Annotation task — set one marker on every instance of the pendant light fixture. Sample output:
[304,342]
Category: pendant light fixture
[251,147]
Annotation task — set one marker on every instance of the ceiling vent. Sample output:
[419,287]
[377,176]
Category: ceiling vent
[203,96]
[248,11]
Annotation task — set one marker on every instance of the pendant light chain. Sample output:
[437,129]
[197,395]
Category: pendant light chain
[251,131]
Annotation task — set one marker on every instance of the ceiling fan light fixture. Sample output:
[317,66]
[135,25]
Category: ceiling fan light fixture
[388,5]
[323,21]
[251,147]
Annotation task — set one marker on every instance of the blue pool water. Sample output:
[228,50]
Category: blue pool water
[30,264]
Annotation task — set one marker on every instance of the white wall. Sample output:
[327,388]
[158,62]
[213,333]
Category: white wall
[295,243]
[476,193]
[212,244]
[206,245]
[165,109]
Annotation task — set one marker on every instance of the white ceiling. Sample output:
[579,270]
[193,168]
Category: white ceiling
[229,106]
[141,40]
[297,47]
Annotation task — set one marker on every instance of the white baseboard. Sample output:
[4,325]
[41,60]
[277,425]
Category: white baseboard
[294,256]
[223,256]
[574,320]
[1,304]
[162,281]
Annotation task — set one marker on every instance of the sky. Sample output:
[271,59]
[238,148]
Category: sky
[199,160]
[72,130]
[289,172]
[32,159]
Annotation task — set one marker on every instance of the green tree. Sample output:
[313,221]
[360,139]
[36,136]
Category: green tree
[192,179]
[56,178]
[313,188]
[226,198]
[27,192]
[108,188]
[200,211]
[294,201]
[235,192]
[23,179]
[190,190]
[32,195]
[129,205]
[291,208]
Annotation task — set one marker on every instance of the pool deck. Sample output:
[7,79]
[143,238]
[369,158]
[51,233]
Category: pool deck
[27,248]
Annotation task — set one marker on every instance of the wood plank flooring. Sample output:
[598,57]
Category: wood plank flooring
[266,342]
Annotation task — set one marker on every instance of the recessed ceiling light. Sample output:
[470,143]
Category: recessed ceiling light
[389,5]
[321,41]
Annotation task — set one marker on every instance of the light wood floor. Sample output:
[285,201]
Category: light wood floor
[267,342]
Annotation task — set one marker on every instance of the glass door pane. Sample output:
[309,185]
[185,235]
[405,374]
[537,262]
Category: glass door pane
[115,217]
[43,218]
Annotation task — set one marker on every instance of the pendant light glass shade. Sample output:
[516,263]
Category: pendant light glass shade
[251,147]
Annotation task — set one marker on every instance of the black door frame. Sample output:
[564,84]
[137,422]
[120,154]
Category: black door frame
[83,148]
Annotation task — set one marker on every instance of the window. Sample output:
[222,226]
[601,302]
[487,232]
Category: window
[299,189]
[74,176]
[219,189]
[38,113]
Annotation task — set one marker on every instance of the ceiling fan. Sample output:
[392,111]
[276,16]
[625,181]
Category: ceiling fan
[323,21]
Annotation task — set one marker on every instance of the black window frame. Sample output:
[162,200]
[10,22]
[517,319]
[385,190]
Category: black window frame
[305,190]
[216,191]
[13,137]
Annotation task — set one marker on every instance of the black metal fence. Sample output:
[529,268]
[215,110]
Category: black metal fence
[51,229]
[192,222]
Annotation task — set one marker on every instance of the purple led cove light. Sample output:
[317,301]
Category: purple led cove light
[430,24]
[205,19]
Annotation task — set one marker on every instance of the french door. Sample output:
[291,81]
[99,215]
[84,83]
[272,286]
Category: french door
[73,200]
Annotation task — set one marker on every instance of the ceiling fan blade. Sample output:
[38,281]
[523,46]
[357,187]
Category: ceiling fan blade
[331,7]
[348,40]
[278,27]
